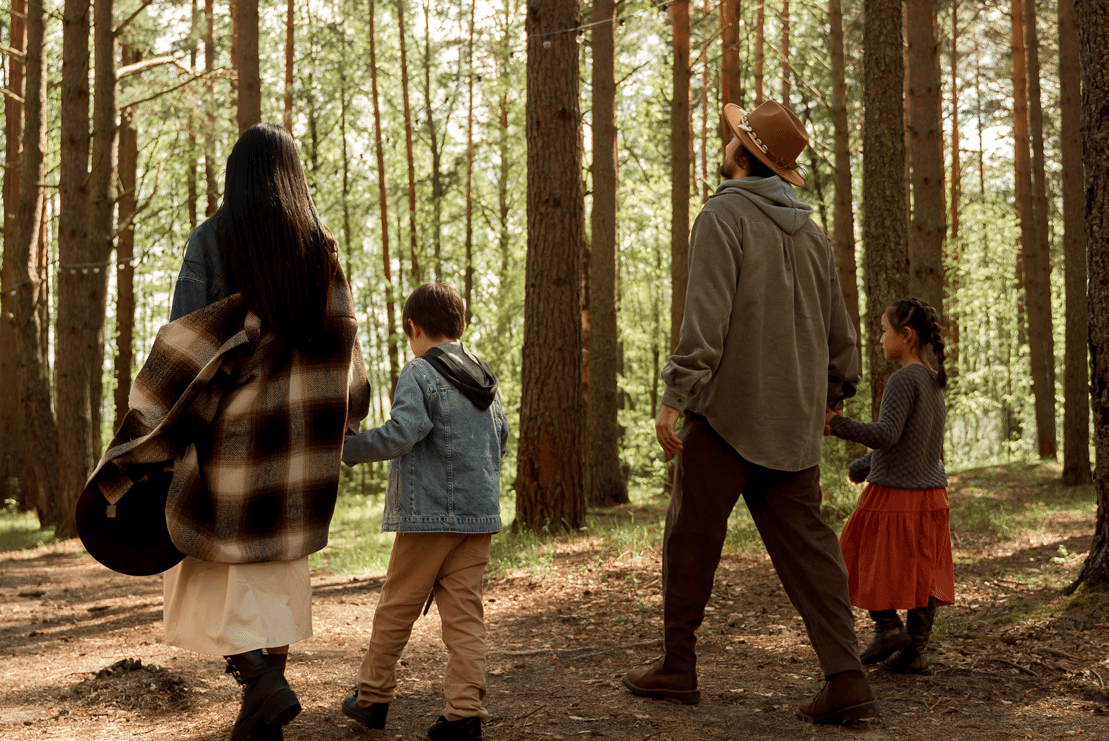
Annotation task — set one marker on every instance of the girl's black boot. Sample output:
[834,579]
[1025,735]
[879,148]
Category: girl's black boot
[268,701]
[889,637]
[913,659]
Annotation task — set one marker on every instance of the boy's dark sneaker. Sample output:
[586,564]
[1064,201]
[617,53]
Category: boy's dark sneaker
[371,717]
[463,729]
[662,683]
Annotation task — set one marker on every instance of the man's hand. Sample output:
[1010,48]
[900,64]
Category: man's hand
[664,429]
[828,414]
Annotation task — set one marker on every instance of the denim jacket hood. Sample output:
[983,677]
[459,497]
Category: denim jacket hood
[445,453]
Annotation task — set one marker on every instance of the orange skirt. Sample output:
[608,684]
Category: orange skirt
[897,547]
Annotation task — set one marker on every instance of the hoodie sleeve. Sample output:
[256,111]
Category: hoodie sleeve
[715,255]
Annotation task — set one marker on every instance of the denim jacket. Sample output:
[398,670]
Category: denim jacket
[200,281]
[446,454]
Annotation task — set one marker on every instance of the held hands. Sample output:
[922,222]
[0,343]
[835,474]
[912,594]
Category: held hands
[828,414]
[664,429]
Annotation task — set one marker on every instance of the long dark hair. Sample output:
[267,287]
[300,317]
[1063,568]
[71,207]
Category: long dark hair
[275,250]
[913,312]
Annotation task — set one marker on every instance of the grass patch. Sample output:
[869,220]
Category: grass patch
[20,531]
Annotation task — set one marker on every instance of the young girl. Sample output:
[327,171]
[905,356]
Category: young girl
[896,544]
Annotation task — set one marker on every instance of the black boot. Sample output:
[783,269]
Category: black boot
[889,637]
[913,659]
[463,729]
[268,701]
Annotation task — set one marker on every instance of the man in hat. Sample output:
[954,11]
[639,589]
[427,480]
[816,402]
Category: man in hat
[765,345]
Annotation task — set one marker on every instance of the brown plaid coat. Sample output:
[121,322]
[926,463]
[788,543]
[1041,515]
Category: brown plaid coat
[253,430]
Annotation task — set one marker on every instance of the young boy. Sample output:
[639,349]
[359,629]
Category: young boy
[446,437]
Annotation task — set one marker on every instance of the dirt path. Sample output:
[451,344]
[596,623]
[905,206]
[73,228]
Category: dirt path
[1011,663]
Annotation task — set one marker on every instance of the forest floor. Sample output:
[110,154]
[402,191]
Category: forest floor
[1014,658]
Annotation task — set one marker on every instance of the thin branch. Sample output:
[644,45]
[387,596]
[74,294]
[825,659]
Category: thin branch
[15,54]
[178,86]
[127,22]
[9,94]
[131,69]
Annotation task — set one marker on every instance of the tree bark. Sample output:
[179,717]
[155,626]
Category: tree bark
[603,479]
[249,106]
[885,231]
[549,481]
[1040,334]
[438,187]
[844,217]
[38,429]
[731,83]
[81,297]
[928,229]
[382,193]
[412,237]
[468,277]
[125,253]
[787,70]
[12,484]
[679,169]
[1076,400]
[212,190]
[760,49]
[290,61]
[1092,22]
[191,122]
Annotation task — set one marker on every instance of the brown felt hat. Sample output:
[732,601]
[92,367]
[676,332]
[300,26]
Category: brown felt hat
[773,134]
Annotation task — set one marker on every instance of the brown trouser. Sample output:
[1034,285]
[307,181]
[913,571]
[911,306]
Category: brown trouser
[450,565]
[785,505]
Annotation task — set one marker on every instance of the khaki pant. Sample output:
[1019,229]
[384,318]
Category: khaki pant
[785,505]
[451,565]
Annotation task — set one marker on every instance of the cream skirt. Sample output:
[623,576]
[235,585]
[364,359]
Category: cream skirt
[223,609]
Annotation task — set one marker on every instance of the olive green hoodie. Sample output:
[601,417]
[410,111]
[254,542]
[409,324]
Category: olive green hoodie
[766,341]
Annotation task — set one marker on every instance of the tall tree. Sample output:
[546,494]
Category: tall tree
[885,232]
[382,200]
[10,454]
[81,307]
[603,479]
[125,250]
[1092,22]
[731,81]
[929,227]
[679,168]
[249,103]
[787,68]
[290,61]
[408,145]
[1076,400]
[760,50]
[1040,335]
[211,189]
[549,480]
[1035,284]
[844,219]
[38,428]
[468,275]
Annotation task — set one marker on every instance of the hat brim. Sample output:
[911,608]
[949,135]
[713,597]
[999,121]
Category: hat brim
[733,114]
[136,540]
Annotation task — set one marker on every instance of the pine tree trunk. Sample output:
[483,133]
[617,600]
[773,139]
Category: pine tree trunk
[438,186]
[885,231]
[11,484]
[125,253]
[211,189]
[468,277]
[951,273]
[191,153]
[731,83]
[1092,22]
[1033,281]
[843,221]
[37,427]
[604,483]
[1040,334]
[760,50]
[290,60]
[249,109]
[80,297]
[408,146]
[786,68]
[1076,400]
[382,193]
[550,488]
[928,228]
[679,169]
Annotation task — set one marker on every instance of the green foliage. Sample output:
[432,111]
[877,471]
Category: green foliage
[20,530]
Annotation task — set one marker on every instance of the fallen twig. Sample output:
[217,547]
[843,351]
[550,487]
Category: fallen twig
[1016,666]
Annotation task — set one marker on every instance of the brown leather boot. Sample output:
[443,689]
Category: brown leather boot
[845,698]
[662,683]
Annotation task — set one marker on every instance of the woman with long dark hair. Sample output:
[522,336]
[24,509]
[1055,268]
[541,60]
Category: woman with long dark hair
[272,328]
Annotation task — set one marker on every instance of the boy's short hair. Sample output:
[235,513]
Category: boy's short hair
[437,308]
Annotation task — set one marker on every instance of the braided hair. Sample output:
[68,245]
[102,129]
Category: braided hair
[914,313]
